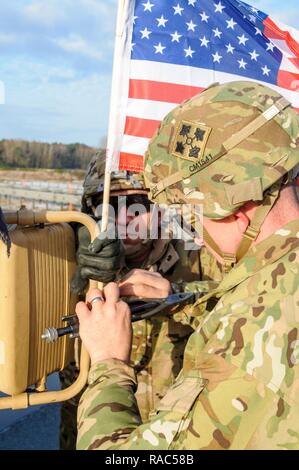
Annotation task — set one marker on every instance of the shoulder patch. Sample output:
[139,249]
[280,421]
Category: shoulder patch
[190,140]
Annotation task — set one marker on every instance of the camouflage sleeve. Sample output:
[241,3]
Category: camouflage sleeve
[229,410]
[199,287]
[108,410]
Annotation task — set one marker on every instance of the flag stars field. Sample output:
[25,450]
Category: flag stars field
[242,39]
[217,57]
[162,21]
[189,52]
[145,33]
[191,26]
[217,33]
[253,55]
[219,7]
[159,48]
[231,23]
[175,37]
[230,48]
[148,6]
[265,70]
[270,46]
[204,16]
[218,23]
[204,42]
[242,64]
[178,10]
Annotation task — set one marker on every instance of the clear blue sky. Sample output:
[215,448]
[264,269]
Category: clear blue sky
[56,62]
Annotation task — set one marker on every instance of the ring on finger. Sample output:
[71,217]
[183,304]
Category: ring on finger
[96,299]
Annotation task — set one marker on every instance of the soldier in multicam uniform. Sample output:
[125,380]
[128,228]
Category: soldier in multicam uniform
[234,149]
[158,344]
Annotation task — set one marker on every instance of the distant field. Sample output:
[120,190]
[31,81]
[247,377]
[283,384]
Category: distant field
[41,174]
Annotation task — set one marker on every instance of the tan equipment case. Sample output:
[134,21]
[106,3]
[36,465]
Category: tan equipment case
[34,295]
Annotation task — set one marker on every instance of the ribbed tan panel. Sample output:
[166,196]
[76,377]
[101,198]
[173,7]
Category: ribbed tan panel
[50,263]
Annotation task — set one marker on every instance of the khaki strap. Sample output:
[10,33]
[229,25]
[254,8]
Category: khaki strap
[251,233]
[165,183]
[254,125]
[261,213]
[227,145]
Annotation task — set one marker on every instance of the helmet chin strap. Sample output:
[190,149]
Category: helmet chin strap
[251,233]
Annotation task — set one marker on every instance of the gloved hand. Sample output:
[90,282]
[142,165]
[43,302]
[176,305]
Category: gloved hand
[100,260]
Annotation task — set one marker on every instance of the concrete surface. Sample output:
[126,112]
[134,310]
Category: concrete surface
[35,428]
[38,430]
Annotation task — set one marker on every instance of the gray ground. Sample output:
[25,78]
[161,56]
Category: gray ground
[36,428]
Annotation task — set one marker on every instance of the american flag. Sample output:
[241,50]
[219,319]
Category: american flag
[171,50]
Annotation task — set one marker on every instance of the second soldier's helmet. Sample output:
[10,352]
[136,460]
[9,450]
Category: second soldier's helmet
[123,183]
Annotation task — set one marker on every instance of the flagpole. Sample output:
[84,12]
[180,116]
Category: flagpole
[115,77]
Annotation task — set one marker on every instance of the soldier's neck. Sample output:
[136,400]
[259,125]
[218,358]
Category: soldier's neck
[139,256]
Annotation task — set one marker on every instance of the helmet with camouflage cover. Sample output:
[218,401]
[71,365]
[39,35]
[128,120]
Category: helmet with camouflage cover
[122,182]
[231,144]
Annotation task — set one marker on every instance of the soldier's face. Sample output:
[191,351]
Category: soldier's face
[133,224]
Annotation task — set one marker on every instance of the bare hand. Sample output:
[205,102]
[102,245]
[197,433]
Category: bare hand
[105,326]
[145,284]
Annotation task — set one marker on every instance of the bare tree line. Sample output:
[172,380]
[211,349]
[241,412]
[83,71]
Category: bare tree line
[25,154]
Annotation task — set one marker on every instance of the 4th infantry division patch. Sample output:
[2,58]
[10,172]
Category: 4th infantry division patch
[190,140]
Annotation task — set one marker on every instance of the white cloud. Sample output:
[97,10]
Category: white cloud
[44,12]
[53,104]
[77,44]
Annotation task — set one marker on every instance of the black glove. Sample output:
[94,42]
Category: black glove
[100,260]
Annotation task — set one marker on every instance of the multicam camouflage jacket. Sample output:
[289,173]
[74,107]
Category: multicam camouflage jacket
[159,343]
[238,388]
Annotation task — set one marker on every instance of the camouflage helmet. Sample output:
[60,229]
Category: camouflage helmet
[222,148]
[231,144]
[122,182]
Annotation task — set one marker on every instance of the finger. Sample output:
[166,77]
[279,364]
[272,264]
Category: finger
[142,290]
[82,311]
[143,277]
[124,309]
[138,273]
[111,293]
[92,293]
